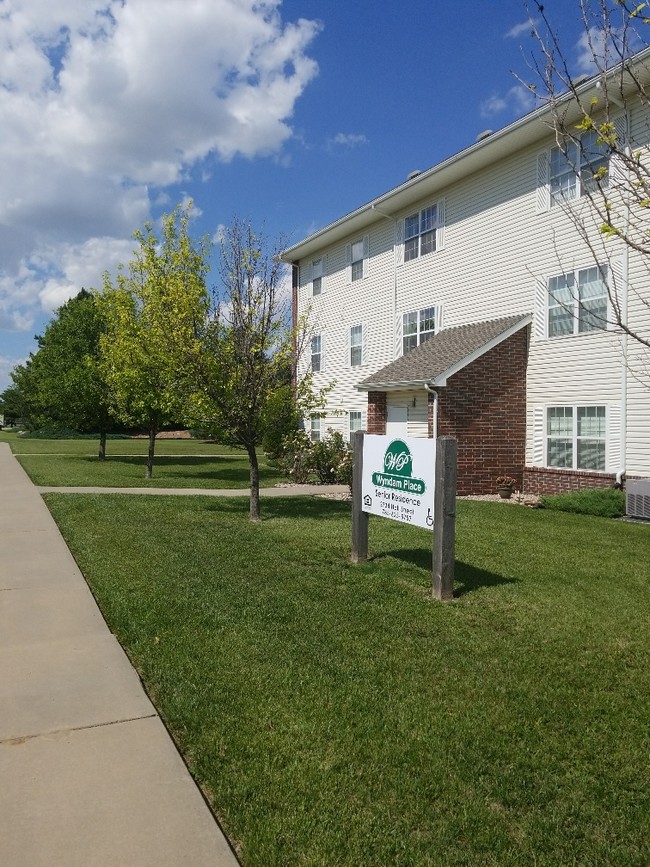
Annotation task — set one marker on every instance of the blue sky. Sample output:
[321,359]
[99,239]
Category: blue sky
[287,112]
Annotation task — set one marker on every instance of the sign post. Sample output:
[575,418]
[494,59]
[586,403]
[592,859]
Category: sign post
[412,480]
[444,533]
[359,517]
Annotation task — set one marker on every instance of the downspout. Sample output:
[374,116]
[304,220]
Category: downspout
[394,222]
[624,374]
[432,391]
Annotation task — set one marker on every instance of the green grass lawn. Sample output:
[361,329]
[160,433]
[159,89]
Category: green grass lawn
[335,715]
[178,464]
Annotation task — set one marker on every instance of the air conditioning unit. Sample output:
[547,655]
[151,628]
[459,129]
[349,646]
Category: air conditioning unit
[638,498]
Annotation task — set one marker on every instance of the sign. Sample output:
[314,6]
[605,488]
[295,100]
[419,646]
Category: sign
[398,478]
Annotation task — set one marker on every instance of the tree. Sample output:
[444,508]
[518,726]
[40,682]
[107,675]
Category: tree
[610,162]
[248,350]
[65,374]
[155,312]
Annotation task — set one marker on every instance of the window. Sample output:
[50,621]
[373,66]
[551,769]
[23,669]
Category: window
[420,233]
[355,419]
[315,429]
[358,260]
[317,277]
[575,437]
[572,168]
[356,345]
[577,302]
[418,327]
[316,353]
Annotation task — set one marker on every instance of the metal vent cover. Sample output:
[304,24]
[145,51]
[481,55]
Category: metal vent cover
[637,501]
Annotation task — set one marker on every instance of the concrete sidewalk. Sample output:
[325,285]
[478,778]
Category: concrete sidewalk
[89,775]
[288,491]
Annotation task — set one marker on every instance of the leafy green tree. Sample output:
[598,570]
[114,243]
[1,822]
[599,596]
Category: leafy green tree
[155,314]
[14,403]
[66,381]
[248,351]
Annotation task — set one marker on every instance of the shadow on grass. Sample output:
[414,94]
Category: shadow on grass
[271,508]
[467,578]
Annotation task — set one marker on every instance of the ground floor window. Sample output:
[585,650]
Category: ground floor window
[356,420]
[576,437]
[315,431]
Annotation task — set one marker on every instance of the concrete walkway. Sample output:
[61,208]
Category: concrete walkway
[289,491]
[89,776]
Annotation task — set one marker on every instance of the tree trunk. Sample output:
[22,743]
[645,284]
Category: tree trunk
[152,448]
[255,484]
[102,446]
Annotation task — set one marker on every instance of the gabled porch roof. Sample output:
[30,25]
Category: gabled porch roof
[443,355]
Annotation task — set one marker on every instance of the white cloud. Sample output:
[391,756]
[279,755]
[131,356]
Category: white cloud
[103,100]
[6,364]
[518,100]
[518,30]
[349,140]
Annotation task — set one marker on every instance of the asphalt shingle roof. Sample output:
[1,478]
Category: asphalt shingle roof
[445,353]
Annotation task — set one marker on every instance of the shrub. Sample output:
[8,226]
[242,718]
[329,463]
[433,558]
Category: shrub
[295,459]
[603,502]
[333,459]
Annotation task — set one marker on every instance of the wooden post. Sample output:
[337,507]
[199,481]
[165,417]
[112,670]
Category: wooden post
[359,518]
[444,516]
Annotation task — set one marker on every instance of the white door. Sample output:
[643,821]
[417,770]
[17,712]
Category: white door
[396,421]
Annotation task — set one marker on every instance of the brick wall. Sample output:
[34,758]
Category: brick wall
[550,480]
[377,412]
[484,407]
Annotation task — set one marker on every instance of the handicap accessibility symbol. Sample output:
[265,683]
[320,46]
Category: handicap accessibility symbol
[429,518]
[367,500]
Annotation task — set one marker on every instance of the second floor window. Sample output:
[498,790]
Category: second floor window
[420,233]
[316,353]
[356,346]
[577,302]
[316,276]
[417,327]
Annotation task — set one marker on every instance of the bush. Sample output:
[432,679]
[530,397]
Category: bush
[603,502]
[295,459]
[333,459]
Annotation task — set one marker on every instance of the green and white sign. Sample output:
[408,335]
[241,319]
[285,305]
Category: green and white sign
[398,478]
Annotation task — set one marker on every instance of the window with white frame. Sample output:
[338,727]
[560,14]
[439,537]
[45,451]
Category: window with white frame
[417,327]
[356,346]
[357,260]
[316,353]
[577,301]
[317,276]
[575,167]
[315,428]
[355,420]
[576,437]
[420,233]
